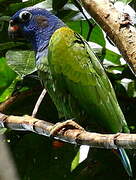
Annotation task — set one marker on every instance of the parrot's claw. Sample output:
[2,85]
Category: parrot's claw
[60,127]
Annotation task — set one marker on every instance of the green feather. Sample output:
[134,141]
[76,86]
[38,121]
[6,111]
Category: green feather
[79,86]
[79,77]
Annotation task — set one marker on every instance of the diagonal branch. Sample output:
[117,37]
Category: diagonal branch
[117,25]
[70,135]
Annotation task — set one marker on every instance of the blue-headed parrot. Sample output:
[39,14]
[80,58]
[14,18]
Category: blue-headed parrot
[71,73]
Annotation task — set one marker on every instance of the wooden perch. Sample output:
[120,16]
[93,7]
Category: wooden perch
[71,135]
[117,25]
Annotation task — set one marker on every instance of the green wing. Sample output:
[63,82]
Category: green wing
[78,74]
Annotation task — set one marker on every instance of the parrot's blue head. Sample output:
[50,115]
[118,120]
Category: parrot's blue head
[35,25]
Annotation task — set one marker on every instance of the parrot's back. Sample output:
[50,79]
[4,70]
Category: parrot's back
[83,84]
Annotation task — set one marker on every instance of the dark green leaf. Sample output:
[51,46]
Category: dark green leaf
[131,88]
[8,45]
[80,27]
[97,36]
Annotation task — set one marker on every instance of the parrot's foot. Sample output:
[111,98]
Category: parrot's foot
[60,127]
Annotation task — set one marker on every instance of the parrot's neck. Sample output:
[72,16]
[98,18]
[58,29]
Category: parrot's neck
[41,39]
[40,43]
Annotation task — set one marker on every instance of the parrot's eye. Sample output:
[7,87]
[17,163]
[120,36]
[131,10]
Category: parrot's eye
[25,16]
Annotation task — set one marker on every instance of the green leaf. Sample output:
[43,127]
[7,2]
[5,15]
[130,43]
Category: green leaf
[113,57]
[7,80]
[8,91]
[97,36]
[7,75]
[22,62]
[75,161]
[3,19]
[80,27]
[132,89]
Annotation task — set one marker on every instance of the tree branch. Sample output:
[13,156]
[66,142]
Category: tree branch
[70,135]
[117,25]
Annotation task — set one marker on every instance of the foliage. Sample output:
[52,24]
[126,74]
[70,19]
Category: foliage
[36,157]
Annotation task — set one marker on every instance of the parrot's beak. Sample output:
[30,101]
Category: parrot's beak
[14,31]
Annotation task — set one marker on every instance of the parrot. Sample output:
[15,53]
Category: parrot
[71,73]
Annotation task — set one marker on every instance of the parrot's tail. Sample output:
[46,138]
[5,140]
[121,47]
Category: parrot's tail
[125,161]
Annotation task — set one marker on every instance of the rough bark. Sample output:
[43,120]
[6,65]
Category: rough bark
[71,134]
[117,25]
